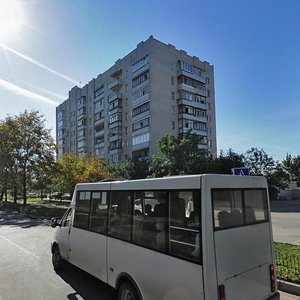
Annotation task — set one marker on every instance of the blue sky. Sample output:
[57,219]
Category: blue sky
[253,45]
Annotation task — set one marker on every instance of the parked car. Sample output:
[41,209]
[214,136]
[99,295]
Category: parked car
[56,195]
[66,196]
[31,195]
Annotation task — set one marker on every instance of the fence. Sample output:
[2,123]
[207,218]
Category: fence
[288,266]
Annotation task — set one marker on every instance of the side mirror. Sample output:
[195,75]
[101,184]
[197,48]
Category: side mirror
[55,222]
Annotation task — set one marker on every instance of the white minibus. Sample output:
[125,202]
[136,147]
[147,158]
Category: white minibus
[180,237]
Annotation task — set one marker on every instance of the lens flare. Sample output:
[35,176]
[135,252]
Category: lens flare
[11,19]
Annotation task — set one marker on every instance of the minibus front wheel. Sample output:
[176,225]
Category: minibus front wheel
[57,260]
[127,292]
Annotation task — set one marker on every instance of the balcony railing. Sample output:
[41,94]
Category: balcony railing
[115,85]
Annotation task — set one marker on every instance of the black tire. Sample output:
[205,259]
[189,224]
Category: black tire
[57,260]
[127,292]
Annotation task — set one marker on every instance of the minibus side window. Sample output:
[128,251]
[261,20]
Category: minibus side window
[98,215]
[82,210]
[120,215]
[184,229]
[149,221]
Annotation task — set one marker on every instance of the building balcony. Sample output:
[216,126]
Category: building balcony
[115,110]
[202,119]
[99,144]
[140,86]
[191,75]
[116,73]
[139,101]
[192,103]
[115,124]
[141,70]
[140,146]
[115,85]
[191,89]
[98,122]
[115,136]
[199,132]
[114,96]
[99,133]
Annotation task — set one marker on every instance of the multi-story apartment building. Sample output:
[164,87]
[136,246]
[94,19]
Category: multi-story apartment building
[153,91]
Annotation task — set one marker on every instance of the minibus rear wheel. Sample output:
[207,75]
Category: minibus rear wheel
[127,292]
[57,260]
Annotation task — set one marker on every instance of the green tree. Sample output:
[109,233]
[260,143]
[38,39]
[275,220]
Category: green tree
[291,166]
[30,145]
[73,170]
[226,161]
[131,168]
[260,163]
[181,155]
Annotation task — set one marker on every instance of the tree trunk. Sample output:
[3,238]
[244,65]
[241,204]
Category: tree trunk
[15,194]
[24,187]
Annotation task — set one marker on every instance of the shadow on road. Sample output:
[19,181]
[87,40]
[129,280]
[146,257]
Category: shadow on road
[285,206]
[85,285]
[16,219]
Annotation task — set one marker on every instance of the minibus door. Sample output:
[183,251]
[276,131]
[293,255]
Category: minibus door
[64,234]
[243,259]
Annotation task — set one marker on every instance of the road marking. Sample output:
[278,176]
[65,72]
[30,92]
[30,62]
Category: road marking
[19,247]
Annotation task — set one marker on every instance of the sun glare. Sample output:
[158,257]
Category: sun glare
[11,19]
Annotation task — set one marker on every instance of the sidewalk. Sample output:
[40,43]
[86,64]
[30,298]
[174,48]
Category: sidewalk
[292,289]
[285,296]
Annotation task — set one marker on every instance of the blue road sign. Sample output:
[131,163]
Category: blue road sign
[241,171]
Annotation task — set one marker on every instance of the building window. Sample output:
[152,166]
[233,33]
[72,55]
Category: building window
[115,117]
[140,79]
[81,111]
[115,145]
[139,94]
[140,109]
[139,64]
[99,92]
[140,139]
[173,124]
[173,96]
[99,104]
[172,80]
[140,124]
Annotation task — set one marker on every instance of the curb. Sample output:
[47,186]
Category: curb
[288,287]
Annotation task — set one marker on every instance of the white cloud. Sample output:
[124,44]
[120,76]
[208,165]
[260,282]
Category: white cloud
[37,63]
[26,93]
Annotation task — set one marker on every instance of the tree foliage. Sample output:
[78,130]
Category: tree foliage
[227,161]
[29,145]
[132,168]
[73,170]
[181,155]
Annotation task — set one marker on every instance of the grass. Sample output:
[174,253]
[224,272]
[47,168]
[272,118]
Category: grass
[36,207]
[288,262]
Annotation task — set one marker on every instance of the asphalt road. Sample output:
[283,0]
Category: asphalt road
[286,221]
[26,272]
